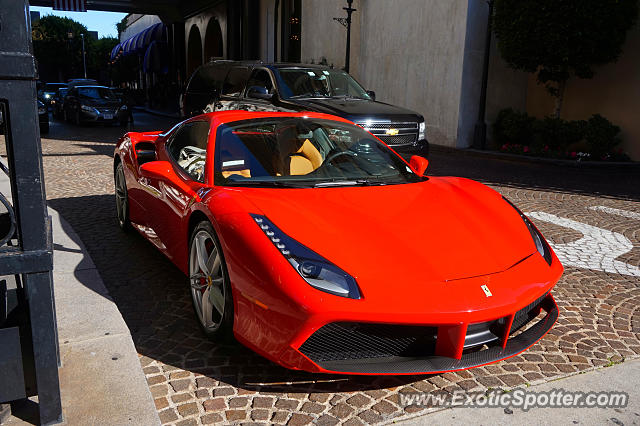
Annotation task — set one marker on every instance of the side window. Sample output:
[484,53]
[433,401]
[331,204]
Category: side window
[261,78]
[188,147]
[207,78]
[235,82]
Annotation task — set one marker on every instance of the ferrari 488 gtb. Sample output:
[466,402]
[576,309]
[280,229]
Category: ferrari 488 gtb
[317,246]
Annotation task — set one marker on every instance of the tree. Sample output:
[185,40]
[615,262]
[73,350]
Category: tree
[59,56]
[558,39]
[57,46]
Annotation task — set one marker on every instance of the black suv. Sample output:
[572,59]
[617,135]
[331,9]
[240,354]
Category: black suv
[257,86]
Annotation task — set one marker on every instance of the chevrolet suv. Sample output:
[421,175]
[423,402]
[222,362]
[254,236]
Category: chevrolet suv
[257,86]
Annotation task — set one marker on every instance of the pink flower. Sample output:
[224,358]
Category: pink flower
[573,154]
[546,148]
[526,149]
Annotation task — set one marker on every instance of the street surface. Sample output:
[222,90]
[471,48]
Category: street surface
[591,216]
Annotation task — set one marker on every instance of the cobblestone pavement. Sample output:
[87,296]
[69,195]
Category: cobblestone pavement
[196,381]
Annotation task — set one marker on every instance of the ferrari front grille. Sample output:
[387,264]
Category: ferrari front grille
[352,341]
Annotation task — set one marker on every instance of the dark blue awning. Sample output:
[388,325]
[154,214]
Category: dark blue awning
[139,42]
[156,58]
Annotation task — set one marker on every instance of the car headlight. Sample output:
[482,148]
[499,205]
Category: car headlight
[47,96]
[317,271]
[421,131]
[123,108]
[87,108]
[541,244]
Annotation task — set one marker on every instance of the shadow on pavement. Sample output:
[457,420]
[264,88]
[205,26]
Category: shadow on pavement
[609,181]
[91,132]
[154,299]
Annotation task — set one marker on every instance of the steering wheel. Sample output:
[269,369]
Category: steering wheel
[335,155]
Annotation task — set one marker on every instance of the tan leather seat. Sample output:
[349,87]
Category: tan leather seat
[305,160]
[244,172]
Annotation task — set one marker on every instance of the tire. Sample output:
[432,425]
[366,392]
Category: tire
[216,325]
[44,129]
[122,199]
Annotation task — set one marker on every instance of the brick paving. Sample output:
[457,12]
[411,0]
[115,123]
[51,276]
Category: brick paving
[196,381]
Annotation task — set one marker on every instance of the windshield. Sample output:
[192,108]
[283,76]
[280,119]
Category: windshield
[315,83]
[304,152]
[52,87]
[96,93]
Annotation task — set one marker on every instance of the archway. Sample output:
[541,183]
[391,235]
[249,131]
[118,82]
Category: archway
[194,50]
[213,46]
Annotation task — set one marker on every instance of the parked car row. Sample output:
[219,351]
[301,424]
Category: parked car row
[84,101]
[257,86]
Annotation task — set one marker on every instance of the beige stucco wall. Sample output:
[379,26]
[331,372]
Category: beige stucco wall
[614,92]
[506,88]
[410,52]
[136,23]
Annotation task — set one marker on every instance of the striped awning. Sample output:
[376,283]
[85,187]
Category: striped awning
[69,5]
[139,42]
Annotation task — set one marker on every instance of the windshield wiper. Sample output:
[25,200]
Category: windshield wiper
[354,182]
[276,183]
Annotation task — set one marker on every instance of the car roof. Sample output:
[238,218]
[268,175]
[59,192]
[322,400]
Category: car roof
[91,85]
[229,116]
[273,65]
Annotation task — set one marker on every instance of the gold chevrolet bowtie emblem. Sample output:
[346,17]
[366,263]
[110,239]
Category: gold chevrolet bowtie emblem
[392,132]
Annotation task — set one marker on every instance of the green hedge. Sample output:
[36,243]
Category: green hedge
[594,139]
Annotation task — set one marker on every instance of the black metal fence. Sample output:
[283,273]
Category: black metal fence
[29,356]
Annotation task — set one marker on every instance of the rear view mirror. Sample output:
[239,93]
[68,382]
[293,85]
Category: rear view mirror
[259,92]
[418,164]
[371,94]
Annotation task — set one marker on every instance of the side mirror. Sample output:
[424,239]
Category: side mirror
[371,94]
[156,169]
[259,92]
[418,164]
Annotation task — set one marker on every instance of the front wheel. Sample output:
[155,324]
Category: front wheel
[209,283]
[122,199]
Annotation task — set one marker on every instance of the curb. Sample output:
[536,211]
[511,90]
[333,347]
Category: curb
[101,377]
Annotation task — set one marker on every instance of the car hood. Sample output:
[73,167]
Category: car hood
[359,110]
[100,103]
[442,229]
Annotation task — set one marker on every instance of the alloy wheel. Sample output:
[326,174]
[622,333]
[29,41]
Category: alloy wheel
[206,278]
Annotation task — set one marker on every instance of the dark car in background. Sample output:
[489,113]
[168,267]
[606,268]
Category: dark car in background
[43,117]
[96,104]
[257,86]
[57,102]
[48,91]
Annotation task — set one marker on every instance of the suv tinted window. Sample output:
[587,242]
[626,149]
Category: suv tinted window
[235,81]
[188,147]
[207,78]
[261,78]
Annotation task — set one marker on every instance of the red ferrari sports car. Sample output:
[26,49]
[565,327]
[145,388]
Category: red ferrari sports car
[317,246]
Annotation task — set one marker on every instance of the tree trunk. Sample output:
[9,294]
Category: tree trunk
[559,98]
